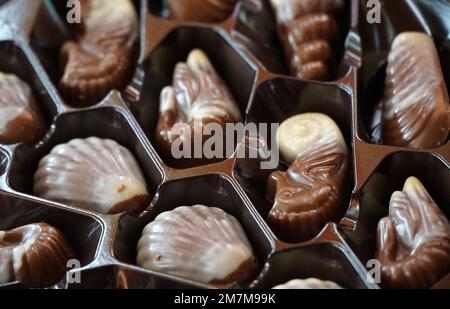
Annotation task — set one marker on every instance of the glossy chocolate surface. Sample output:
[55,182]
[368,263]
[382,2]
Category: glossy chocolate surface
[200,243]
[36,255]
[413,242]
[102,58]
[416,106]
[21,121]
[201,10]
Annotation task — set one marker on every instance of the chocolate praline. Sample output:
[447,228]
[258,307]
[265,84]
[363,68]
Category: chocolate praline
[201,10]
[200,243]
[36,255]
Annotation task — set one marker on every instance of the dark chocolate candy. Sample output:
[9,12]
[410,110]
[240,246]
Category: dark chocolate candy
[36,255]
[201,10]
[416,109]
[413,241]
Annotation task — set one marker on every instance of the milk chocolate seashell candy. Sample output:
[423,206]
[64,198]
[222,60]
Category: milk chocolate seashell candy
[35,255]
[308,31]
[311,192]
[198,97]
[416,108]
[20,118]
[94,174]
[200,243]
[308,284]
[413,241]
[102,58]
[201,10]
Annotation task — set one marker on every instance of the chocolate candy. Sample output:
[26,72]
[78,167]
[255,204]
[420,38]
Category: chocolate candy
[198,97]
[308,30]
[36,255]
[416,110]
[20,118]
[199,243]
[311,192]
[102,59]
[95,174]
[201,10]
[413,241]
[308,284]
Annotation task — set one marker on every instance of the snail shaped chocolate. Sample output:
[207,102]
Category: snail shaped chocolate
[197,98]
[199,243]
[201,10]
[20,118]
[94,174]
[102,58]
[311,192]
[413,241]
[308,31]
[308,284]
[416,109]
[35,255]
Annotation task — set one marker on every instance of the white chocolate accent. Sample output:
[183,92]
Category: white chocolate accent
[198,242]
[311,283]
[93,173]
[299,133]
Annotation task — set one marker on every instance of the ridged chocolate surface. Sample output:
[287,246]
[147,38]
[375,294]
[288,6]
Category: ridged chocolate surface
[311,192]
[201,10]
[102,58]
[20,118]
[200,243]
[198,97]
[94,174]
[308,284]
[308,30]
[36,255]
[416,111]
[413,240]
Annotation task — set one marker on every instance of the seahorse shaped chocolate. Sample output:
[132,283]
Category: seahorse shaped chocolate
[311,192]
[413,241]
[198,97]
[416,109]
[102,58]
[308,31]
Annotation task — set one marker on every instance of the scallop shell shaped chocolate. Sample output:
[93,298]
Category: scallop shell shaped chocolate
[308,284]
[102,59]
[311,192]
[94,174]
[198,97]
[308,31]
[416,109]
[413,241]
[35,255]
[201,10]
[20,118]
[199,243]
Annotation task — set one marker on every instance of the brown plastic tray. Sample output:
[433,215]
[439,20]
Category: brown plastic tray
[250,62]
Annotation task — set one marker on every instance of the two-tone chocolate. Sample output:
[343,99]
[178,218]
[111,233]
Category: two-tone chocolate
[21,120]
[199,243]
[94,174]
[308,31]
[201,10]
[197,97]
[308,284]
[413,241]
[311,192]
[102,58]
[35,255]
[416,108]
